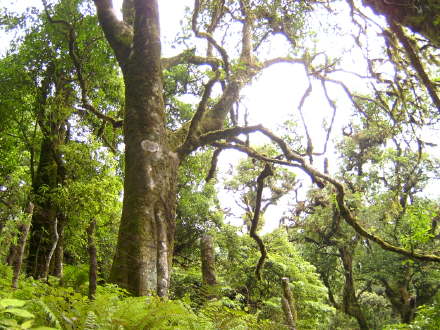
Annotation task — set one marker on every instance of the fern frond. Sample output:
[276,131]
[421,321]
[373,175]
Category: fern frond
[91,321]
[50,316]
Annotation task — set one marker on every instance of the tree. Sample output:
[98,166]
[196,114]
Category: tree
[53,77]
[152,154]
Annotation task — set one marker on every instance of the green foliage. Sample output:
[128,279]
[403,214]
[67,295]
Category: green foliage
[76,276]
[14,315]
[226,318]
[418,222]
[427,318]
[237,268]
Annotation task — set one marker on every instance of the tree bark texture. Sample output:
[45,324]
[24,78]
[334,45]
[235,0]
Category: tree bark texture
[145,243]
[208,260]
[50,171]
[93,264]
[45,212]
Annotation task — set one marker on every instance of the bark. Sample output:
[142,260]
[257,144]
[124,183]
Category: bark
[19,248]
[208,260]
[350,301]
[93,264]
[267,171]
[54,242]
[288,304]
[44,216]
[145,243]
[11,254]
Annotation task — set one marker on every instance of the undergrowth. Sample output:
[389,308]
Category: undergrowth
[44,306]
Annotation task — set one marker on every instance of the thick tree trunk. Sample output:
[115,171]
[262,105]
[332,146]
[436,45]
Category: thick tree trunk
[146,235]
[93,264]
[208,260]
[45,213]
[350,301]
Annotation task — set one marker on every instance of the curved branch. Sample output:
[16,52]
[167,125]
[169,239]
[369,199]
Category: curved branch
[213,167]
[209,37]
[278,60]
[267,171]
[118,33]
[192,135]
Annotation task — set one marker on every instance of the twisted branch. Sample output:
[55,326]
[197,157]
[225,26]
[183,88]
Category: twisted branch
[267,171]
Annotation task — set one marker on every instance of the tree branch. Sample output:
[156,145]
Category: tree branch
[415,62]
[188,57]
[71,38]
[213,167]
[267,171]
[118,33]
[209,37]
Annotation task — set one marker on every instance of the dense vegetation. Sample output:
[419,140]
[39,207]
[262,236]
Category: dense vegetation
[112,180]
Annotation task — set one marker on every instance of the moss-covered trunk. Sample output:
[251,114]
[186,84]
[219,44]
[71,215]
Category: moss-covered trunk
[145,243]
[45,211]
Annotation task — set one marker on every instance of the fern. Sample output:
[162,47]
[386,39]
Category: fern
[91,321]
[50,316]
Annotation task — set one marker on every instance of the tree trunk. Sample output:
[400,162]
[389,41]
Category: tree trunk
[288,304]
[208,260]
[143,257]
[350,301]
[19,248]
[45,213]
[57,265]
[93,265]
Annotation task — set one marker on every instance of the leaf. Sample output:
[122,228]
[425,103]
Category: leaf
[9,323]
[20,312]
[12,303]
[27,324]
